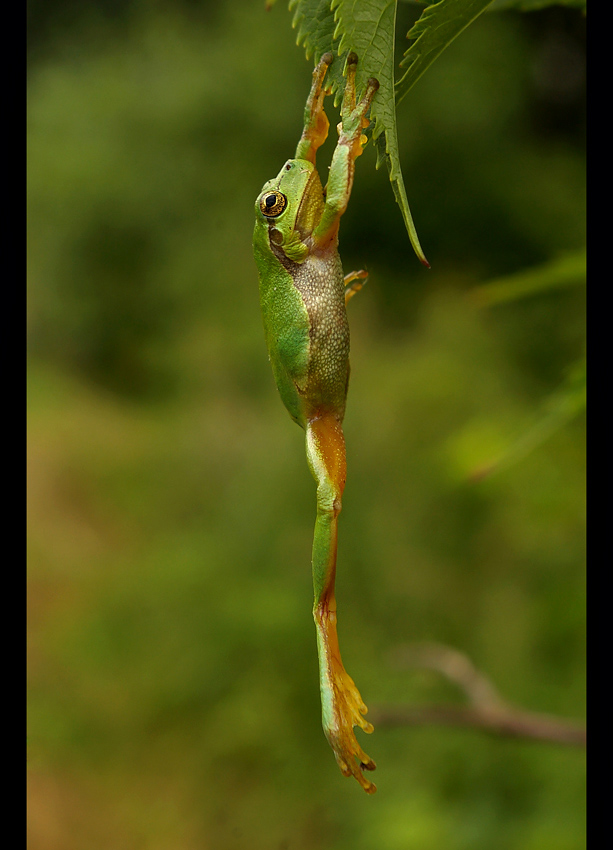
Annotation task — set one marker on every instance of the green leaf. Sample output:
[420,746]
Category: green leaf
[533,5]
[314,20]
[567,270]
[388,152]
[437,27]
[366,27]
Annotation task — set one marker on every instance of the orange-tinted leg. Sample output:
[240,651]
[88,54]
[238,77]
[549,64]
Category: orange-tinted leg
[316,122]
[342,705]
[350,144]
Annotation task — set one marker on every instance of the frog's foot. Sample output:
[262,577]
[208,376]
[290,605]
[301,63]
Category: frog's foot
[342,705]
[359,279]
[346,711]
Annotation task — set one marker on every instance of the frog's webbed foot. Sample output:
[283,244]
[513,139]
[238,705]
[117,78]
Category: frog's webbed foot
[316,122]
[342,705]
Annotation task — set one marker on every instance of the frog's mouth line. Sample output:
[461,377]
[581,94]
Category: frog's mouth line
[280,253]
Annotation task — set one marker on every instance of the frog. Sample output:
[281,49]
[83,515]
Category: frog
[303,298]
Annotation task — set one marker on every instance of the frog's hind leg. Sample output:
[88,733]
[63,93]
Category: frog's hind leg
[342,705]
[316,122]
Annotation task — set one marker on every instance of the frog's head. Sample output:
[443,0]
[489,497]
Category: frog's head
[289,208]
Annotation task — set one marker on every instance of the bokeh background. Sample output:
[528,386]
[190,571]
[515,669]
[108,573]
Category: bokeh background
[173,699]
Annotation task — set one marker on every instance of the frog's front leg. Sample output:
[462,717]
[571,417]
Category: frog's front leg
[349,147]
[342,705]
[316,122]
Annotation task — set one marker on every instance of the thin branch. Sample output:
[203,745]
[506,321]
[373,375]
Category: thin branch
[516,724]
[487,710]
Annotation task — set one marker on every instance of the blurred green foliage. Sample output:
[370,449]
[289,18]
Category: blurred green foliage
[173,676]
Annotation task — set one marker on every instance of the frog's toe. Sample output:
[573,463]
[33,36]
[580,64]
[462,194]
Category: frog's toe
[349,712]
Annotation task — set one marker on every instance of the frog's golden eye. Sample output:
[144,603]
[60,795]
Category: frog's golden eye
[272,204]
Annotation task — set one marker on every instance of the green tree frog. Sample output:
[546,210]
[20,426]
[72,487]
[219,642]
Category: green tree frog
[303,295]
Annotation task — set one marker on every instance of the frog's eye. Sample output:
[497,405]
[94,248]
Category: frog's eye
[272,204]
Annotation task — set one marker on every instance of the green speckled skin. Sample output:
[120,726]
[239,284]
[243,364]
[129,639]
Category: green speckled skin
[303,305]
[303,297]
